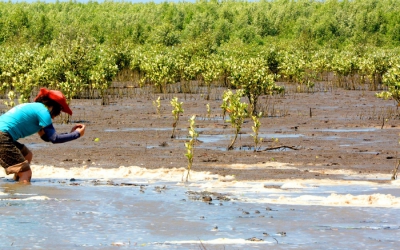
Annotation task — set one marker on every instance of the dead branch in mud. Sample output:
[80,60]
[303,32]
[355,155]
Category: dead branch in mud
[202,247]
[394,176]
[280,147]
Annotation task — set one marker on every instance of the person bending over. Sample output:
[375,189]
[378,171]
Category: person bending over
[29,118]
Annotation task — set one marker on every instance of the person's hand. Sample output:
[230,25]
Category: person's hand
[80,128]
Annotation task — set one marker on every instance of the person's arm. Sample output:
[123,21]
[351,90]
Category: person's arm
[49,134]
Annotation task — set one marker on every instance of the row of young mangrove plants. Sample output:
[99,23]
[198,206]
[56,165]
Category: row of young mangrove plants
[233,108]
[80,66]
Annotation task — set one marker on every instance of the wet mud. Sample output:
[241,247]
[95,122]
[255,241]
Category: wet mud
[321,177]
[336,129]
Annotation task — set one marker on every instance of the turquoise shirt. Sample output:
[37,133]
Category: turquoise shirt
[25,119]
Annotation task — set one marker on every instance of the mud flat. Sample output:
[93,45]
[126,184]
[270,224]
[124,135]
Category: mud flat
[320,178]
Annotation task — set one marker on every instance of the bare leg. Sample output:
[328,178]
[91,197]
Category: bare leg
[25,177]
[29,157]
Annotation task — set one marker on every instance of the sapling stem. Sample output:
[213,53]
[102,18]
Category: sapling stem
[157,104]
[190,144]
[394,176]
[177,109]
[237,111]
[256,129]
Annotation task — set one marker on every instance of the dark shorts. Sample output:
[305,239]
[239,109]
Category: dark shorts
[12,155]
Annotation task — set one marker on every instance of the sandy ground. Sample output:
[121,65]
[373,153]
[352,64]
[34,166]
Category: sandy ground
[325,134]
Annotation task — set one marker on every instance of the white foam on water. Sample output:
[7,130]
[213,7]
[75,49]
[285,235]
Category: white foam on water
[374,200]
[37,198]
[283,185]
[396,182]
[265,165]
[284,191]
[293,185]
[33,198]
[134,172]
[110,214]
[352,174]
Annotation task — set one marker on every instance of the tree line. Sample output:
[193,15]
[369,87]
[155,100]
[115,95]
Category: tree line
[248,45]
[331,23]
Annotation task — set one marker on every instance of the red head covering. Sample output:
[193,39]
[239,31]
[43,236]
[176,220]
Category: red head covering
[56,96]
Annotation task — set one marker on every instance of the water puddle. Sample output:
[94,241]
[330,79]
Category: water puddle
[214,118]
[226,137]
[208,137]
[37,145]
[136,129]
[344,130]
[132,207]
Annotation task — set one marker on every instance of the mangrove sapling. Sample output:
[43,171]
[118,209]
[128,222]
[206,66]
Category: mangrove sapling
[160,70]
[225,102]
[274,141]
[208,110]
[190,144]
[224,108]
[211,70]
[256,129]
[157,104]
[177,109]
[392,80]
[254,78]
[396,168]
[237,111]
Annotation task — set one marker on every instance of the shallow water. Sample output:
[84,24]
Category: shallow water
[352,130]
[154,209]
